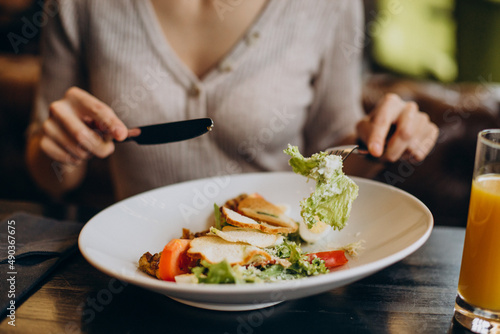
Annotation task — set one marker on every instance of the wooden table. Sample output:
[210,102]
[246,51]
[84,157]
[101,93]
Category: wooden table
[415,295]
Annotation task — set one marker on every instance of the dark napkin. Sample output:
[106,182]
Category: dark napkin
[41,244]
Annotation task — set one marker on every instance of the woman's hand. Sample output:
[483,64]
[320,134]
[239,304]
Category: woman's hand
[414,135]
[79,126]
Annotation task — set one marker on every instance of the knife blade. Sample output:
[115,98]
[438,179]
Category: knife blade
[171,132]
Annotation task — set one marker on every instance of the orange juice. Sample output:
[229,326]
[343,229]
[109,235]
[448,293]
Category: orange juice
[479,282]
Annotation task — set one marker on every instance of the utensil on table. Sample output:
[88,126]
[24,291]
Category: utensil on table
[171,132]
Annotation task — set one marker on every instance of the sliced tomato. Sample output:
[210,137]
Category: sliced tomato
[332,259]
[174,259]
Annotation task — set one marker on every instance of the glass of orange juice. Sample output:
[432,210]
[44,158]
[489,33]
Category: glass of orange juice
[477,306]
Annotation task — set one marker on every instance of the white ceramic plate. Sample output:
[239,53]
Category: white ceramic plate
[392,223]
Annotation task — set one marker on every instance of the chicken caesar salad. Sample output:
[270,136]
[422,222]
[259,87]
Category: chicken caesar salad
[253,240]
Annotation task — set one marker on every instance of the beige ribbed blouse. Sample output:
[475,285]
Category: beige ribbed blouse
[293,78]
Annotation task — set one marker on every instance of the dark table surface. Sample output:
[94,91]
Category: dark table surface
[415,295]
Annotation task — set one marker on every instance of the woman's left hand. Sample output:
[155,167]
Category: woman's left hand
[414,136]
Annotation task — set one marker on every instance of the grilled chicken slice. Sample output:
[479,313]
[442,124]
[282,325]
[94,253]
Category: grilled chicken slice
[234,202]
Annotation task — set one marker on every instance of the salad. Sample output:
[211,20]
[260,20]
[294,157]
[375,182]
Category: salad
[253,240]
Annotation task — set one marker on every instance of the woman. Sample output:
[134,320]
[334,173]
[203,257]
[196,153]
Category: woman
[268,73]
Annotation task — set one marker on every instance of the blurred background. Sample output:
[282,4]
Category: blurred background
[443,54]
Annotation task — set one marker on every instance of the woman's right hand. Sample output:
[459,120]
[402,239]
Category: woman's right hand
[80,126]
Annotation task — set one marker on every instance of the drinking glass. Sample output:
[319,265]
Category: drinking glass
[477,306]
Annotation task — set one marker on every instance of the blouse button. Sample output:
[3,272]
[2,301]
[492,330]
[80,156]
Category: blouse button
[252,38]
[194,91]
[225,66]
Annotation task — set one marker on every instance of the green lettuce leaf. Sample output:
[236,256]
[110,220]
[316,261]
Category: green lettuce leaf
[220,221]
[224,273]
[300,267]
[332,199]
[218,273]
[217,216]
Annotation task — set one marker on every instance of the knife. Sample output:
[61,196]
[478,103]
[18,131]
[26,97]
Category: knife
[170,132]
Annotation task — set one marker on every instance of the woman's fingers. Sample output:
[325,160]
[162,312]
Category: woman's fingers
[64,114]
[95,111]
[428,136]
[422,136]
[414,134]
[379,122]
[57,153]
[79,125]
[407,127]
[54,131]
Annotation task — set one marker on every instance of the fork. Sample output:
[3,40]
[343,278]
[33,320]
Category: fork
[360,148]
[346,150]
